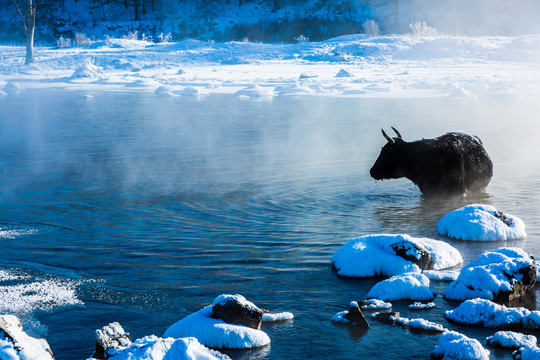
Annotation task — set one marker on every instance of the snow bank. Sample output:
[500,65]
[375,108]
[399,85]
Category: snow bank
[481,223]
[486,313]
[456,346]
[421,306]
[512,340]
[490,274]
[412,286]
[154,348]
[216,333]
[373,255]
[15,344]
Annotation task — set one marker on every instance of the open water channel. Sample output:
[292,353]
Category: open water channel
[141,209]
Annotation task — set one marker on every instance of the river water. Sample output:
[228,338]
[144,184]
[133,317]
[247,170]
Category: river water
[141,209]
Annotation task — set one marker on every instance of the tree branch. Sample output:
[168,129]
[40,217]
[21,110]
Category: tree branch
[21,16]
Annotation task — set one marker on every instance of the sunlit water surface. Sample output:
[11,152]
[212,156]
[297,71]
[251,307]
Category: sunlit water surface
[141,209]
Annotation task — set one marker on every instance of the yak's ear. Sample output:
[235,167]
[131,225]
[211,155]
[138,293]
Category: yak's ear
[397,133]
[388,138]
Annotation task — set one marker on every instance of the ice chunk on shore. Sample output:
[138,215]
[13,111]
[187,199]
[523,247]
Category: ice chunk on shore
[481,223]
[373,255]
[216,333]
[511,339]
[456,346]
[411,286]
[15,344]
[492,273]
[155,348]
[486,313]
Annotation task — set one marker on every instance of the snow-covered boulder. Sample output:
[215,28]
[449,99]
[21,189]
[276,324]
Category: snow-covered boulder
[501,275]
[216,333]
[155,348]
[374,304]
[15,344]
[411,286]
[511,340]
[344,73]
[377,255]
[481,223]
[528,353]
[420,324]
[235,309]
[441,275]
[488,314]
[87,70]
[456,346]
[353,316]
[109,340]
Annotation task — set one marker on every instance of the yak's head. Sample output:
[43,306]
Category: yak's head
[391,160]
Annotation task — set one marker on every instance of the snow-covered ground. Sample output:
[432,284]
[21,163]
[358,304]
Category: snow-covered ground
[385,66]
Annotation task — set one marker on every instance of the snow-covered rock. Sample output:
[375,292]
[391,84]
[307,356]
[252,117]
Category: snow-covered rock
[499,275]
[511,339]
[155,348]
[528,353]
[374,255]
[216,333]
[422,306]
[411,286]
[353,316]
[87,70]
[344,73]
[441,275]
[109,340]
[375,304]
[488,314]
[456,346]
[15,344]
[481,223]
[235,309]
[274,317]
[420,324]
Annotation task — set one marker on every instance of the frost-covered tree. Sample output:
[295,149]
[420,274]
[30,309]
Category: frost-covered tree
[27,12]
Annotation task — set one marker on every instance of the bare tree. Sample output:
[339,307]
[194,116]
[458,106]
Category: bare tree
[29,24]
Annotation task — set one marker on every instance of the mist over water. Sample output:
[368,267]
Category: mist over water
[146,208]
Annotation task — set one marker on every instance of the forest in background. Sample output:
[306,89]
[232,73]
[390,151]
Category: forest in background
[75,22]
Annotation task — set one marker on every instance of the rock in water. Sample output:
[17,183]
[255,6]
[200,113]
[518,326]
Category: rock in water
[16,344]
[356,317]
[415,253]
[235,309]
[109,340]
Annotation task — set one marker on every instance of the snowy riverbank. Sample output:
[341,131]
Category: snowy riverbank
[354,65]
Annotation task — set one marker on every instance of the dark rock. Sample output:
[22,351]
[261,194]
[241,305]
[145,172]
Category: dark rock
[110,339]
[356,317]
[389,316]
[414,253]
[522,290]
[234,310]
[502,216]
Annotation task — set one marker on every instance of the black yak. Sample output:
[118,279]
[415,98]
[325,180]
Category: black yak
[452,164]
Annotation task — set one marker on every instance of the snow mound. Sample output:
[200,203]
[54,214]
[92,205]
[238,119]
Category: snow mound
[527,354]
[481,223]
[512,340]
[256,91]
[421,306]
[375,304]
[344,73]
[191,91]
[420,324]
[88,70]
[165,91]
[411,286]
[15,344]
[492,273]
[373,255]
[488,314]
[456,346]
[154,348]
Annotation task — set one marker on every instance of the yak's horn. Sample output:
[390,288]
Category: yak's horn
[388,138]
[397,133]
